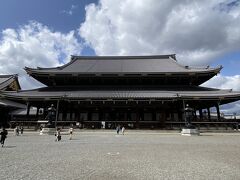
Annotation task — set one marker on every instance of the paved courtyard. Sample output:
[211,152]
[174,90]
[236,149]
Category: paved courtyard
[137,155]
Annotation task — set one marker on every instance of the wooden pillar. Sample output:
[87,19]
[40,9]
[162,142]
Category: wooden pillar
[76,115]
[44,110]
[209,114]
[89,116]
[218,112]
[163,119]
[71,110]
[128,114]
[201,114]
[77,112]
[28,110]
[37,113]
[139,118]
[57,112]
[195,114]
[153,114]
[179,115]
[64,111]
[100,115]
[184,114]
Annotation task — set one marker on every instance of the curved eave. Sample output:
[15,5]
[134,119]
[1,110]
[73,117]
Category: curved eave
[18,97]
[221,96]
[195,77]
[220,99]
[190,72]
[235,97]
[66,97]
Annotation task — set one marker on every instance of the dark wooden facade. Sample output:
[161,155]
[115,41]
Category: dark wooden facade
[134,91]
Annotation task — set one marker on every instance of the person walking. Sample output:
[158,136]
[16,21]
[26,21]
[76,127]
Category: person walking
[118,129]
[4,134]
[58,134]
[70,132]
[21,130]
[123,130]
[17,130]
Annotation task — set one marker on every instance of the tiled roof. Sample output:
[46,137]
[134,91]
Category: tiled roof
[122,65]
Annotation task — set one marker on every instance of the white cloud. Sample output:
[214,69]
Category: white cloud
[197,31]
[34,45]
[231,108]
[224,82]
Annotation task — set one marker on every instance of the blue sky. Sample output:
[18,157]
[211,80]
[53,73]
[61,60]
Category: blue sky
[46,33]
[59,15]
[230,63]
[53,13]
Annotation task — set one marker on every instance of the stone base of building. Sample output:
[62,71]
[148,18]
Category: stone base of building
[190,132]
[48,131]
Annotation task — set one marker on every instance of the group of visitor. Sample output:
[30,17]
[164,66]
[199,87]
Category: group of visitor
[58,134]
[118,129]
[18,130]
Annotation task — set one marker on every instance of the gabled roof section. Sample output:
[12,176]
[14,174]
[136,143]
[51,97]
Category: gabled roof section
[116,93]
[9,82]
[157,64]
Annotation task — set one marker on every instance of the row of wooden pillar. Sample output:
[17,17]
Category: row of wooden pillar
[200,111]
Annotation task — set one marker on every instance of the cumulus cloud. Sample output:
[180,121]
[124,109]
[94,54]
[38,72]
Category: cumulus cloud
[224,82]
[34,45]
[197,31]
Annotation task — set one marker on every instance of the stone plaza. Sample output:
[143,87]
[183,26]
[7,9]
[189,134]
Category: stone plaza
[135,155]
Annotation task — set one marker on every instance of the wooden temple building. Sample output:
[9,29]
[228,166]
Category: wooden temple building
[134,91]
[8,83]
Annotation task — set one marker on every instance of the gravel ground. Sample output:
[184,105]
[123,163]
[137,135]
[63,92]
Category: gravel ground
[105,156]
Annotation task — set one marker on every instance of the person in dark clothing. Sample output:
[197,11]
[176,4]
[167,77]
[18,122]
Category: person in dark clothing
[21,130]
[3,136]
[118,129]
[58,134]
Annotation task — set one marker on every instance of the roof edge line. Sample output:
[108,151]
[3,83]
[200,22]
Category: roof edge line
[73,57]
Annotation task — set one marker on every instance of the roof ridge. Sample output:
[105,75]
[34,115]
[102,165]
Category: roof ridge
[74,57]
